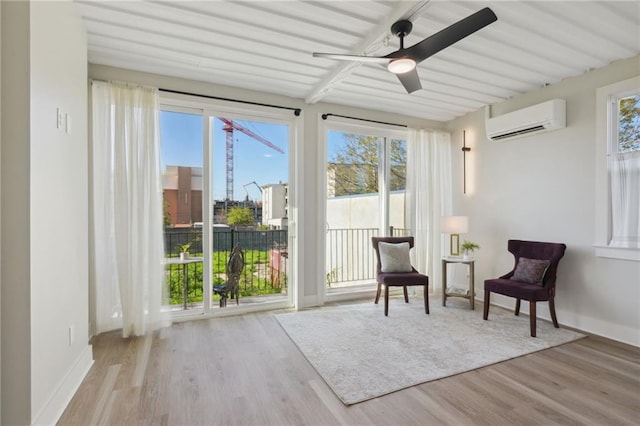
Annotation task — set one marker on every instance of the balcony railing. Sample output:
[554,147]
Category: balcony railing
[265,255]
[350,259]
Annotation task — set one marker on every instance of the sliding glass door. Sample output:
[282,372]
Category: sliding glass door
[182,184]
[225,185]
[249,193]
[365,183]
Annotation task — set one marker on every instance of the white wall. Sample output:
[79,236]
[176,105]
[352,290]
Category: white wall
[16,401]
[45,216]
[309,195]
[363,211]
[274,202]
[542,187]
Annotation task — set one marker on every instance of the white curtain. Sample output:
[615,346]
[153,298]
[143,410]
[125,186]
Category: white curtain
[127,243]
[625,199]
[428,197]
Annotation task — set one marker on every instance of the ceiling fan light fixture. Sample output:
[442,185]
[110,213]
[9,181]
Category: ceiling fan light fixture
[402,65]
[403,61]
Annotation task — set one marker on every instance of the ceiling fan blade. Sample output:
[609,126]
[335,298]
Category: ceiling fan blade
[410,80]
[358,58]
[450,35]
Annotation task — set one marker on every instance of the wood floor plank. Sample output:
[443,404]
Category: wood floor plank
[245,370]
[105,393]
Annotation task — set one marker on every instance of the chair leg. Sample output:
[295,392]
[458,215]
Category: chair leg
[517,307]
[552,310]
[426,299]
[406,295]
[532,318]
[386,300]
[378,294]
[485,313]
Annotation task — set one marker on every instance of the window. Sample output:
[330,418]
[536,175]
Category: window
[182,167]
[226,182]
[624,170]
[627,114]
[365,174]
[618,170]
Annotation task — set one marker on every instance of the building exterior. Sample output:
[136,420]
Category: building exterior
[275,205]
[182,195]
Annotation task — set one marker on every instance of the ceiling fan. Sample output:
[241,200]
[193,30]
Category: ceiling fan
[403,61]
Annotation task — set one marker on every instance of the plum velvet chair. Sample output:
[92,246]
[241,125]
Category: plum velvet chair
[403,278]
[533,278]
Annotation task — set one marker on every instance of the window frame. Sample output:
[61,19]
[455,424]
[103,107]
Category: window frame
[209,109]
[606,144]
[348,125]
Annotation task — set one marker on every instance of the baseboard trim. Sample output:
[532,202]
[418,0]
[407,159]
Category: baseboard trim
[627,336]
[308,302]
[53,409]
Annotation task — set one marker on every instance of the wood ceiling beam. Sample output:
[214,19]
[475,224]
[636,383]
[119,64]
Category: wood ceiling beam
[368,46]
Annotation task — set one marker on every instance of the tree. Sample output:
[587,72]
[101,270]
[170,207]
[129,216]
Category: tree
[629,124]
[240,216]
[398,177]
[354,168]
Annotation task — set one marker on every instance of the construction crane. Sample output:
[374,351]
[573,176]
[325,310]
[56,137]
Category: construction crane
[256,184]
[251,183]
[229,127]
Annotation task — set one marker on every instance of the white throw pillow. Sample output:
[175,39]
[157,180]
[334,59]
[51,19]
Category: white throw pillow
[394,257]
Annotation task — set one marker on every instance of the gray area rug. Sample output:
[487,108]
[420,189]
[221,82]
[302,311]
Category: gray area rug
[361,354]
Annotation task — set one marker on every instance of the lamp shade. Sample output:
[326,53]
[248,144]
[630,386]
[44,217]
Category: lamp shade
[455,224]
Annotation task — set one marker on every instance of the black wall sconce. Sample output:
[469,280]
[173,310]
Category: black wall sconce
[465,149]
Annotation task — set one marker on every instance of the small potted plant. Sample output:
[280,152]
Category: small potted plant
[468,247]
[183,249]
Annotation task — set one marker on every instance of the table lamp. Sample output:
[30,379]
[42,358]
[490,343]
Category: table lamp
[455,225]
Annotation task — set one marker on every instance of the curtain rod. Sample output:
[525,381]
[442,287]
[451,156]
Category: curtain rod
[324,117]
[296,111]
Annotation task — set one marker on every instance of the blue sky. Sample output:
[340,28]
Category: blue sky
[181,145]
[181,140]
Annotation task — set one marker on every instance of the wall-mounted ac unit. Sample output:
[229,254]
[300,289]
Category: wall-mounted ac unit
[543,117]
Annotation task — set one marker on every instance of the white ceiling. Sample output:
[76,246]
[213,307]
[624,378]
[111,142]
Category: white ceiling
[267,45]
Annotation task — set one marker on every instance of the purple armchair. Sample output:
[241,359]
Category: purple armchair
[532,279]
[398,279]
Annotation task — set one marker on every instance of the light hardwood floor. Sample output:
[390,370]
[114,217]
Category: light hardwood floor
[245,370]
